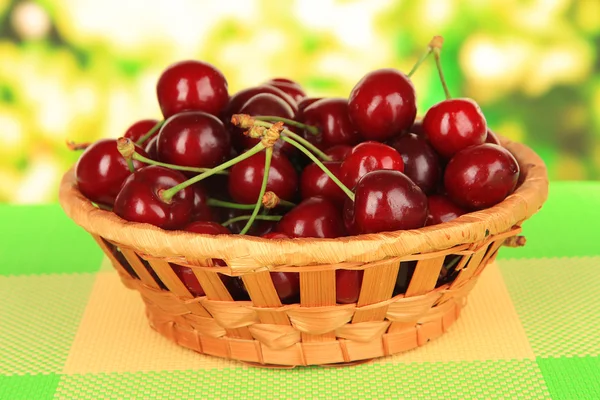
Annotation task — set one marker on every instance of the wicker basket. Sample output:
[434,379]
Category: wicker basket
[262,331]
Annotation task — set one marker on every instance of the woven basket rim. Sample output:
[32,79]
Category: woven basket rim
[247,252]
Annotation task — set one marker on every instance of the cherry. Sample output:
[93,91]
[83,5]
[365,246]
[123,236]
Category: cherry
[492,138]
[314,217]
[101,171]
[139,129]
[315,182]
[152,148]
[367,157]
[387,200]
[441,209]
[339,152]
[382,104]
[417,128]
[192,86]
[291,88]
[245,178]
[207,228]
[302,104]
[258,228]
[454,124]
[240,98]
[140,198]
[275,235]
[331,117]
[287,285]
[347,285]
[481,176]
[200,211]
[187,277]
[193,139]
[421,163]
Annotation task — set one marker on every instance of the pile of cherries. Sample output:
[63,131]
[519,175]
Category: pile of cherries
[269,161]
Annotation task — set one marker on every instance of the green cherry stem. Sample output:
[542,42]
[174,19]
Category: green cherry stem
[263,189]
[297,138]
[269,118]
[151,132]
[168,194]
[436,45]
[420,61]
[227,204]
[145,160]
[320,164]
[247,217]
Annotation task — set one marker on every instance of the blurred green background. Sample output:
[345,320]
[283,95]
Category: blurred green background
[85,69]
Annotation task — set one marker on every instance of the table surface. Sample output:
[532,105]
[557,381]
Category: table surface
[69,329]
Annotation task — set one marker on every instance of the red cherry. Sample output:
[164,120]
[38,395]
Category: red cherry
[347,285]
[331,117]
[193,139]
[192,86]
[258,228]
[287,285]
[315,182]
[139,200]
[314,217]
[367,157]
[339,152]
[417,128]
[201,210]
[240,98]
[382,104]
[454,124]
[421,163]
[293,89]
[275,235]
[388,201]
[101,171]
[189,279]
[139,129]
[152,148]
[207,228]
[245,178]
[302,104]
[481,176]
[441,209]
[492,138]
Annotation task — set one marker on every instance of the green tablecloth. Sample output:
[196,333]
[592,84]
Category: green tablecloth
[68,329]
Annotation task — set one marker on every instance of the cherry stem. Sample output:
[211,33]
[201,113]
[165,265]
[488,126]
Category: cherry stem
[226,204]
[247,217]
[127,149]
[168,194]
[149,134]
[298,138]
[420,61]
[145,160]
[71,145]
[263,189]
[436,55]
[269,118]
[321,165]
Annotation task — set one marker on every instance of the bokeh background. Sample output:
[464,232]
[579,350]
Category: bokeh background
[86,69]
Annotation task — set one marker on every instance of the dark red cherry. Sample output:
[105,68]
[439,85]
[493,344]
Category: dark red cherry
[481,176]
[152,148]
[207,227]
[315,182]
[139,200]
[314,217]
[417,128]
[101,171]
[367,157]
[382,104]
[201,211]
[388,201]
[263,104]
[347,285]
[191,86]
[331,117]
[189,279]
[240,98]
[441,209]
[193,139]
[139,129]
[293,89]
[258,228]
[492,138]
[302,104]
[287,285]
[339,152]
[421,162]
[454,124]
[275,235]
[245,178]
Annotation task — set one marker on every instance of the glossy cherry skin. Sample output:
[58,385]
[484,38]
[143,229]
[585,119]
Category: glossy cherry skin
[200,211]
[347,285]
[238,100]
[481,176]
[331,117]
[492,138]
[339,152]
[275,235]
[263,104]
[245,178]
[388,200]
[101,171]
[152,148]
[315,217]
[194,139]
[207,227]
[421,162]
[302,104]
[188,279]
[293,89]
[454,124]
[192,86]
[382,104]
[315,182]
[139,200]
[258,228]
[139,129]
[367,157]
[417,128]
[441,209]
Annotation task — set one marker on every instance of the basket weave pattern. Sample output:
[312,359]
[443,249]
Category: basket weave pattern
[316,330]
